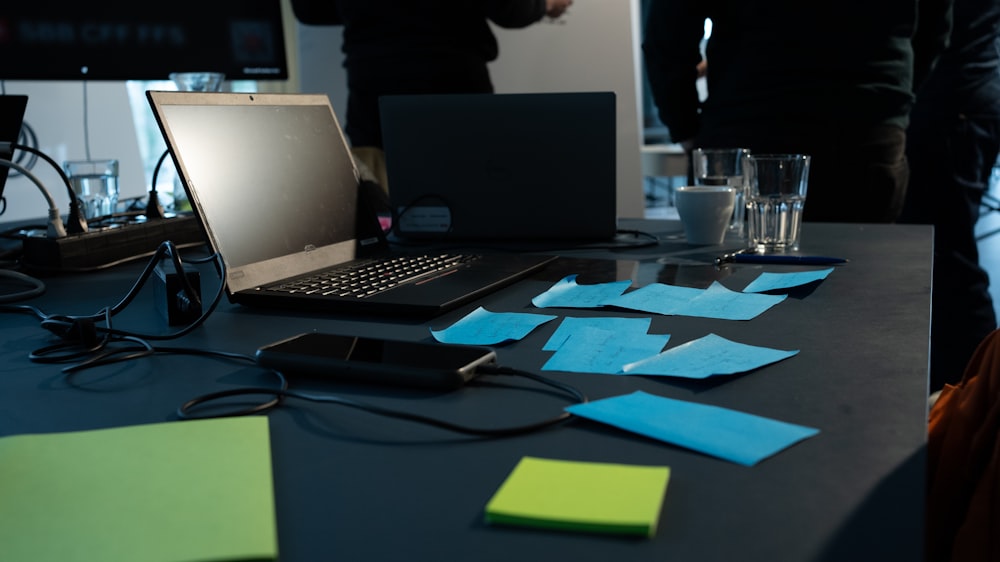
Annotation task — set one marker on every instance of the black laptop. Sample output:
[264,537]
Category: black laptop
[273,183]
[502,167]
[11,117]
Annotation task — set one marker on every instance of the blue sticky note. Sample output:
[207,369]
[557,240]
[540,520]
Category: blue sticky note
[596,350]
[714,302]
[707,356]
[482,327]
[567,293]
[768,281]
[570,325]
[719,302]
[731,435]
[657,298]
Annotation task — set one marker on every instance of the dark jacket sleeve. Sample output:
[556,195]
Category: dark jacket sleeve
[316,12]
[934,24]
[515,13]
[671,50]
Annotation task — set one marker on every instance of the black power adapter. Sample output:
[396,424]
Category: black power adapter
[174,301]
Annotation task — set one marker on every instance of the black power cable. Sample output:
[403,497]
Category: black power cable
[185,411]
[76,223]
[93,340]
[154,209]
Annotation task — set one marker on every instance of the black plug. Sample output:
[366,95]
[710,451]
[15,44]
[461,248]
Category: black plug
[173,301]
[81,331]
[154,209]
[76,223]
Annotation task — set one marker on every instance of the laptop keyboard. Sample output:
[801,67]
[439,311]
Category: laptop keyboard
[366,278]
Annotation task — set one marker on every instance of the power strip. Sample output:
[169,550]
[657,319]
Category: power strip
[106,246]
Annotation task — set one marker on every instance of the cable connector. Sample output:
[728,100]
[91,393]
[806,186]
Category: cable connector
[76,222]
[56,229]
[154,209]
[172,298]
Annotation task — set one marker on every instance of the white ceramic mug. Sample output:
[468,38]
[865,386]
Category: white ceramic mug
[705,211]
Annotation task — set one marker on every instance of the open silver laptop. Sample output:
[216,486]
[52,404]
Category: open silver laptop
[273,183]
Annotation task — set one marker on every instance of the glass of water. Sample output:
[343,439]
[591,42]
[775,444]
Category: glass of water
[96,185]
[776,196]
[724,166]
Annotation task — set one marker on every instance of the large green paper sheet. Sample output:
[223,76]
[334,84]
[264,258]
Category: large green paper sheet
[581,496]
[177,491]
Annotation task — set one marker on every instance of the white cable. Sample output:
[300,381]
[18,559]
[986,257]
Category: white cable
[56,229]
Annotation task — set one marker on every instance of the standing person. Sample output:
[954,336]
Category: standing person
[834,80]
[415,47]
[954,141]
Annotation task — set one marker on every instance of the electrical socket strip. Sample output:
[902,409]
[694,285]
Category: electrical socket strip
[109,245]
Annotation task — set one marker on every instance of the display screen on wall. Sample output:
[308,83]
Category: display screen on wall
[129,40]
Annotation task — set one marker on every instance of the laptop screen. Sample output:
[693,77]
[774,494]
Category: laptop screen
[270,175]
[532,166]
[11,116]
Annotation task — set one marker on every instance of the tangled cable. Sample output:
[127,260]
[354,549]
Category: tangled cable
[92,340]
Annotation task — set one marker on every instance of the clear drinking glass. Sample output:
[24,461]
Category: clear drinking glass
[198,81]
[776,197]
[724,166]
[95,183]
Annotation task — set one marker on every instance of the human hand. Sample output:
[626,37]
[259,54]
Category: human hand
[556,8]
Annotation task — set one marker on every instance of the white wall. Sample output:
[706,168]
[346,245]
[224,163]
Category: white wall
[593,47]
[55,112]
[321,68]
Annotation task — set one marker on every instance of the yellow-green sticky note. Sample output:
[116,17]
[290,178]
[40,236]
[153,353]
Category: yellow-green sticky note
[178,491]
[581,496]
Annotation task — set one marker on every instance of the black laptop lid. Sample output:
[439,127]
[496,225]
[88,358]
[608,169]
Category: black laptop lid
[11,120]
[502,166]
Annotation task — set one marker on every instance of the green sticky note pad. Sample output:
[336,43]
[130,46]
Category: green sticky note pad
[178,491]
[581,496]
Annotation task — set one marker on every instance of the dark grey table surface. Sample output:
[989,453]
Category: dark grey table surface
[353,486]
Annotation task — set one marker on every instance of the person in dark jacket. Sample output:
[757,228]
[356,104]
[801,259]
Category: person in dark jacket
[415,47]
[953,144]
[835,80]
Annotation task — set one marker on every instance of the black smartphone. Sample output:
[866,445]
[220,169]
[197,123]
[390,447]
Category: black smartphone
[374,360]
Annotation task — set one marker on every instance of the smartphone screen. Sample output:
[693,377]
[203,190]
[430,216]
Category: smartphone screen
[375,360]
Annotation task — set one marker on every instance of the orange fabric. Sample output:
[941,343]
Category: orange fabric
[963,471]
